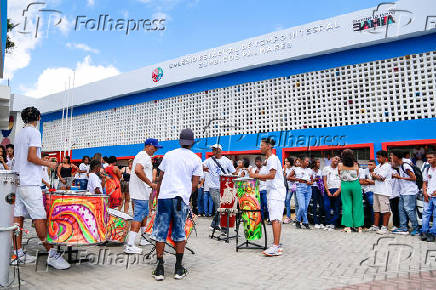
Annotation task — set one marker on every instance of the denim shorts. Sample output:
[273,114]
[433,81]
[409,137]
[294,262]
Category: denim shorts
[140,211]
[167,211]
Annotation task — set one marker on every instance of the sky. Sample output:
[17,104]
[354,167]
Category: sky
[42,65]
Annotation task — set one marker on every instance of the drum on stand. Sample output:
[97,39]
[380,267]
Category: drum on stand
[76,218]
[118,226]
[8,186]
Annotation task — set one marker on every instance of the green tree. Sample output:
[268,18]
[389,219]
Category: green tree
[9,44]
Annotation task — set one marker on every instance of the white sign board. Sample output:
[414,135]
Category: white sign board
[384,23]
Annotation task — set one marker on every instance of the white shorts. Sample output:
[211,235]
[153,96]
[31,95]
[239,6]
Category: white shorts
[29,203]
[275,209]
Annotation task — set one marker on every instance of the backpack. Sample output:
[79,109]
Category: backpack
[417,172]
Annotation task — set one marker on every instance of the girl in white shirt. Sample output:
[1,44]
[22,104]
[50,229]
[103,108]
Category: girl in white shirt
[289,167]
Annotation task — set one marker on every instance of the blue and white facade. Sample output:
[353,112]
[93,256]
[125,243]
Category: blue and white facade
[362,80]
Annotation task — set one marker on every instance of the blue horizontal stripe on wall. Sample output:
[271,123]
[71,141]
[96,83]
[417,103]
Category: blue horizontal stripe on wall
[346,135]
[397,48]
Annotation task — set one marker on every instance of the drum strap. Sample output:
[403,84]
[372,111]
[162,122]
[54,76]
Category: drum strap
[219,165]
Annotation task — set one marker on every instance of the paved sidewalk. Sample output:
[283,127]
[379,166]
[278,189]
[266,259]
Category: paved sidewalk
[312,259]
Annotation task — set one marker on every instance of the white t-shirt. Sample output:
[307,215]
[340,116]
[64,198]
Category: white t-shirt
[395,184]
[365,174]
[383,187]
[408,187]
[275,187]
[93,183]
[45,176]
[287,172]
[215,171]
[179,166]
[429,175]
[138,189]
[303,173]
[30,173]
[327,162]
[83,166]
[10,162]
[206,180]
[333,178]
[262,170]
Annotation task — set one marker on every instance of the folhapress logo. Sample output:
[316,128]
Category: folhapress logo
[157,74]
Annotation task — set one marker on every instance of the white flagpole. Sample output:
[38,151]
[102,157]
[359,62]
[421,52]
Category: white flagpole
[71,121]
[62,124]
[66,117]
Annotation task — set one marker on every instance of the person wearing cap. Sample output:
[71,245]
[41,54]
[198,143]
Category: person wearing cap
[216,165]
[179,177]
[140,188]
[276,193]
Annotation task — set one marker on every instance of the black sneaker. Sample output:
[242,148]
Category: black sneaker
[298,225]
[158,274]
[180,273]
[306,226]
[424,237]
[430,238]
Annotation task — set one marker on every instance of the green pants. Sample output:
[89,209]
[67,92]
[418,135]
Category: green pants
[352,205]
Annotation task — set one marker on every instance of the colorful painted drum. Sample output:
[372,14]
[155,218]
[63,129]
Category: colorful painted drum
[249,200]
[228,199]
[76,218]
[118,226]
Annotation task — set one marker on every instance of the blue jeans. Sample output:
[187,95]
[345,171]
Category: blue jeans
[368,196]
[167,212]
[264,204]
[208,203]
[200,202]
[304,192]
[83,183]
[407,208]
[331,203]
[289,195]
[140,211]
[318,205]
[429,209]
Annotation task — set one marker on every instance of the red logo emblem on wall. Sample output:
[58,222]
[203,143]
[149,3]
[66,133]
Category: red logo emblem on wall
[157,74]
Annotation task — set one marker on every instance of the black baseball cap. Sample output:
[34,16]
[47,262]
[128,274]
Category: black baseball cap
[186,137]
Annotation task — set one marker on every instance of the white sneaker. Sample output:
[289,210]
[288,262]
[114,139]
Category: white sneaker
[272,251]
[373,228]
[24,259]
[144,242]
[317,227]
[321,227]
[382,231]
[58,262]
[132,249]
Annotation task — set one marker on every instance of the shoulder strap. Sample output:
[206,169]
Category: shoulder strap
[219,165]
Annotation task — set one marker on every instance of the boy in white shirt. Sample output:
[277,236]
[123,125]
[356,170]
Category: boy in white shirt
[429,191]
[276,193]
[408,192]
[180,173]
[95,184]
[382,175]
[29,199]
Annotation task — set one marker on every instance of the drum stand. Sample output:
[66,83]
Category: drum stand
[247,244]
[221,211]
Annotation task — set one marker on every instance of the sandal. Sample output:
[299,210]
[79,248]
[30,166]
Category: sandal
[347,230]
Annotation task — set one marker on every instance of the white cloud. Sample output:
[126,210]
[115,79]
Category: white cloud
[82,46]
[161,15]
[20,56]
[91,2]
[53,80]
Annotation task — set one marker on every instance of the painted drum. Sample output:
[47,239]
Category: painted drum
[118,226]
[249,205]
[76,218]
[227,199]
